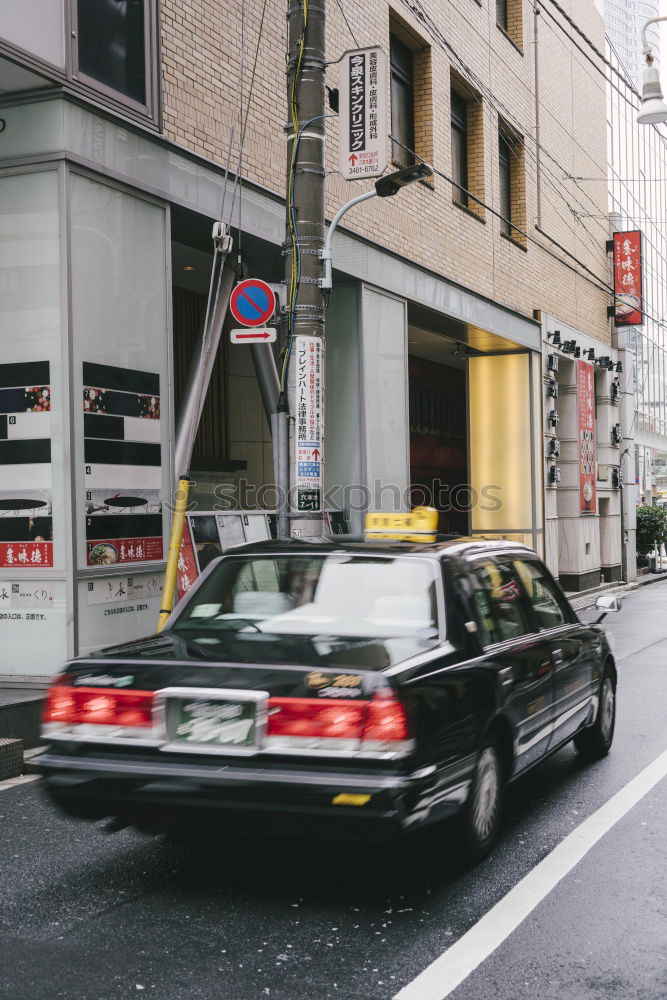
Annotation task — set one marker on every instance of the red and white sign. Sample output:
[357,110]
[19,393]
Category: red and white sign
[363,113]
[188,570]
[587,457]
[109,551]
[19,555]
[266,335]
[253,302]
[628,302]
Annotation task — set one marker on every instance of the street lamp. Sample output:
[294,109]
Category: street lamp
[653,109]
[385,187]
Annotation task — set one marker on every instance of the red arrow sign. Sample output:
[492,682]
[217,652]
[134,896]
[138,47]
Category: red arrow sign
[266,335]
[353,158]
[316,453]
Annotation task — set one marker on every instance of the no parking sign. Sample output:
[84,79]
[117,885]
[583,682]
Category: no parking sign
[252,302]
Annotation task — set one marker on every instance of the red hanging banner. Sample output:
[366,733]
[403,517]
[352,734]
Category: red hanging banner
[628,301]
[587,463]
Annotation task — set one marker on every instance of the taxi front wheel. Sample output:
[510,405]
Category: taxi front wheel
[595,742]
[481,816]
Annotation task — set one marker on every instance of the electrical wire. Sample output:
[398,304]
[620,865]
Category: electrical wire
[340,8]
[246,115]
[480,88]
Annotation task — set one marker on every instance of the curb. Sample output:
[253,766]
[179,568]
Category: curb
[28,766]
[588,600]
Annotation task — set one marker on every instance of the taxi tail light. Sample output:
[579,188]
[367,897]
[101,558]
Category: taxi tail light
[376,726]
[92,711]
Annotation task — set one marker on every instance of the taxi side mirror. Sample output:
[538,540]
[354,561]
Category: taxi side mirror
[606,603]
[609,602]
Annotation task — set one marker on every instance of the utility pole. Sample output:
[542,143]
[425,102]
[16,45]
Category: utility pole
[301,401]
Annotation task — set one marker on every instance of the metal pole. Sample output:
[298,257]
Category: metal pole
[267,376]
[305,232]
[171,574]
[222,282]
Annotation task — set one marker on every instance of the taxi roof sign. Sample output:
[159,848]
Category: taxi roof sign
[420,525]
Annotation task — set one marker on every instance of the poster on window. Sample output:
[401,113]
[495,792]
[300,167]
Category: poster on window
[628,304]
[26,538]
[587,471]
[123,458]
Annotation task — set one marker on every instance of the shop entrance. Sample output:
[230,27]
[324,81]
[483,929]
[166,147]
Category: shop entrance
[475,432]
[438,428]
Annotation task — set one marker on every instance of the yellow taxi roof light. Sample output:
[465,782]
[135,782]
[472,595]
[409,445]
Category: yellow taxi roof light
[420,525]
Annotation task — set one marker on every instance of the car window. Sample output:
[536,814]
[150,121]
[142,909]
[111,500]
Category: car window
[496,597]
[336,594]
[548,605]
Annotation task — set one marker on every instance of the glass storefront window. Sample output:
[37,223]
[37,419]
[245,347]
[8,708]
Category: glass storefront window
[120,382]
[33,536]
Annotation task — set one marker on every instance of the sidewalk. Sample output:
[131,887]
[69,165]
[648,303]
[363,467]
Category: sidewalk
[587,598]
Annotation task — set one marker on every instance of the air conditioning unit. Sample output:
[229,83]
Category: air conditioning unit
[554,475]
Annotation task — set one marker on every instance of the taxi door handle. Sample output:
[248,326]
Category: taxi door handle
[557,656]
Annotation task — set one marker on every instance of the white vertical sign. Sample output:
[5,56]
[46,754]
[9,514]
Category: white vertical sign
[309,423]
[363,113]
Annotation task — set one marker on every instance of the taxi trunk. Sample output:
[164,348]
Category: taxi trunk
[238,747]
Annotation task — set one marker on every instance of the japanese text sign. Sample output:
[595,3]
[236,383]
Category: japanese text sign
[363,113]
[628,304]
[587,463]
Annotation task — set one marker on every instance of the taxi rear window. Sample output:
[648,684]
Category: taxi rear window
[336,594]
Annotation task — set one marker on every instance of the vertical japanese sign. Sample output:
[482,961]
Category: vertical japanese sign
[26,512]
[586,392]
[309,423]
[628,303]
[363,113]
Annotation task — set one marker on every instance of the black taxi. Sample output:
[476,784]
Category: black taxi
[337,687]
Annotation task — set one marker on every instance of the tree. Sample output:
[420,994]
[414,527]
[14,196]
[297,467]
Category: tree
[651,528]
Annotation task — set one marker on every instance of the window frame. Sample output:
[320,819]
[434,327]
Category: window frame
[503,20]
[405,79]
[459,125]
[151,62]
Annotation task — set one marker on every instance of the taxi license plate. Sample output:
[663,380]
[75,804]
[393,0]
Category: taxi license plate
[212,721]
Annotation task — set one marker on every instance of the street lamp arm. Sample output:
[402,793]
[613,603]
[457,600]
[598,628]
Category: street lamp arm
[648,51]
[326,281]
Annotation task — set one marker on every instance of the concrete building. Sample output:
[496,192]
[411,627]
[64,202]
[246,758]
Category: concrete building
[117,126]
[624,20]
[637,171]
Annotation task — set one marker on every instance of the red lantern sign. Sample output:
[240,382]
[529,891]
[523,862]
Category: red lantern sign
[628,302]
[587,456]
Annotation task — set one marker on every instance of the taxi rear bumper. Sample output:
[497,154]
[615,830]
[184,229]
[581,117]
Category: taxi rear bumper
[162,795]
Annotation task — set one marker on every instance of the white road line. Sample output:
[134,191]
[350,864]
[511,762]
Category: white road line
[13,782]
[447,972]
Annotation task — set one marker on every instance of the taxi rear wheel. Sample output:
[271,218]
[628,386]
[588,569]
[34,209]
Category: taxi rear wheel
[481,816]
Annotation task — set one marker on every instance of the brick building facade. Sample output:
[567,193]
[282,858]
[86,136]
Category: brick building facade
[119,120]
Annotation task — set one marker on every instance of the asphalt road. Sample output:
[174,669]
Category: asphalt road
[88,915]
